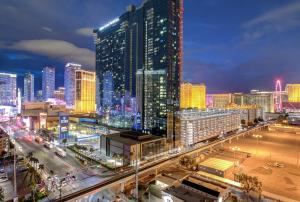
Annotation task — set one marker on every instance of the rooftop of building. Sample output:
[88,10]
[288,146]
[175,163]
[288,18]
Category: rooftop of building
[236,106]
[198,113]
[133,138]
[218,164]
[195,190]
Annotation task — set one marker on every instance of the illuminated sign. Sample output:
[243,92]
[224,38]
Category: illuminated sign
[63,126]
[109,24]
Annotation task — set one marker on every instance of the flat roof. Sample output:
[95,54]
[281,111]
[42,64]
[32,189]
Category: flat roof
[218,164]
[185,194]
[166,180]
[129,141]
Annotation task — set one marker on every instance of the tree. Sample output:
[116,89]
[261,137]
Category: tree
[186,161]
[1,194]
[41,167]
[64,141]
[250,183]
[255,121]
[33,176]
[29,155]
[243,122]
[33,188]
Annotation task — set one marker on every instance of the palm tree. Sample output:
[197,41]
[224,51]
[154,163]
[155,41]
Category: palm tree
[36,162]
[1,194]
[29,155]
[41,167]
[33,188]
[64,141]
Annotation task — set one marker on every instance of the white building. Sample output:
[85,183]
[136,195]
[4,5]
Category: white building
[194,126]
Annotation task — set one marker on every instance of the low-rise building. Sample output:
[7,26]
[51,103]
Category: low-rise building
[131,145]
[216,166]
[193,126]
[38,115]
[192,189]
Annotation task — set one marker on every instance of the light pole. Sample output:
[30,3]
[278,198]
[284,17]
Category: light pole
[257,137]
[15,176]
[234,149]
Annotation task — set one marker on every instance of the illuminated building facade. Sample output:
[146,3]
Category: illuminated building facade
[69,83]
[59,94]
[28,87]
[293,91]
[148,38]
[108,89]
[249,113]
[85,92]
[154,101]
[192,96]
[119,54]
[264,99]
[193,126]
[8,89]
[48,82]
[218,100]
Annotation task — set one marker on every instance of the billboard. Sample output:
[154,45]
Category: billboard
[63,126]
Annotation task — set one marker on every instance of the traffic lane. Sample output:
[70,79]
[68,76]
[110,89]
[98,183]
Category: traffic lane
[59,165]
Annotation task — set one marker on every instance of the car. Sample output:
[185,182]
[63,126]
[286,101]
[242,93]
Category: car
[3,179]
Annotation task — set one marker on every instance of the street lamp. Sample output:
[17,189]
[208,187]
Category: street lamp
[257,137]
[234,149]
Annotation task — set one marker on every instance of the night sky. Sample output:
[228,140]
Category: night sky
[230,45]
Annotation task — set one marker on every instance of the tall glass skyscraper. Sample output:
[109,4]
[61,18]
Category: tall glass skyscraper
[148,38]
[48,83]
[28,87]
[8,89]
[119,50]
[69,83]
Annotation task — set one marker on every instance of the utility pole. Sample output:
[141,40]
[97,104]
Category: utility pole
[15,176]
[136,174]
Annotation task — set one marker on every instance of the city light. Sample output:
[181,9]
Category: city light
[111,115]
[109,24]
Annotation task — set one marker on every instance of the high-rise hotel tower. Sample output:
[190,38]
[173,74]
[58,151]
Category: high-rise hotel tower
[148,39]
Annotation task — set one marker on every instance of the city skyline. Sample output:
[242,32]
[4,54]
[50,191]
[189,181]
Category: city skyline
[149,100]
[225,61]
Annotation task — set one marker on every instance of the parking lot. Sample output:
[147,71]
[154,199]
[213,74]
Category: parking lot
[273,158]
